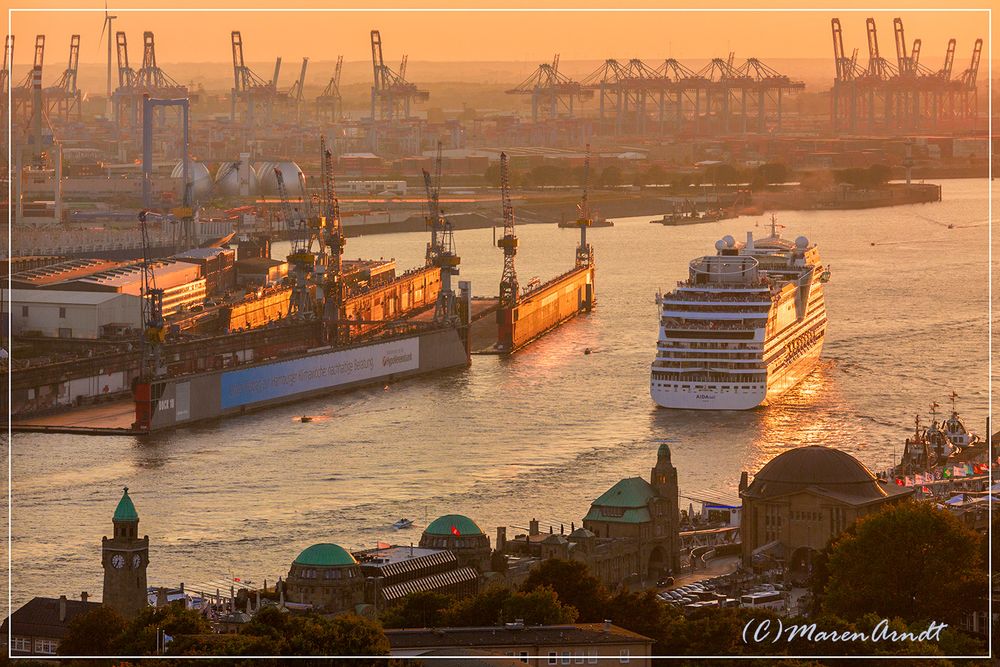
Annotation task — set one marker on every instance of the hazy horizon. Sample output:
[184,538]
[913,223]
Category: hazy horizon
[457,35]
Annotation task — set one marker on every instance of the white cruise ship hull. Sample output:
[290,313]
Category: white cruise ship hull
[735,396]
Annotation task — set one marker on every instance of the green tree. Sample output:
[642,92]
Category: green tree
[909,560]
[539,606]
[546,175]
[281,633]
[722,174]
[879,174]
[770,174]
[139,637]
[492,175]
[424,609]
[485,608]
[644,613]
[93,633]
[611,176]
[574,584]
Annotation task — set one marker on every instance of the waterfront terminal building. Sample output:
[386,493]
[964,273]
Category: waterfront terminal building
[801,499]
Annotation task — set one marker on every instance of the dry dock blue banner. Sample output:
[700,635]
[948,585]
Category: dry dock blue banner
[281,379]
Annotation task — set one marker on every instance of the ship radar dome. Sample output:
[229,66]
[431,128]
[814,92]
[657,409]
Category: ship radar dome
[730,241]
[720,245]
[801,243]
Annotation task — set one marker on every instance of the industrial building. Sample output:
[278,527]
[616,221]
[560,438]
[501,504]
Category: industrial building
[71,314]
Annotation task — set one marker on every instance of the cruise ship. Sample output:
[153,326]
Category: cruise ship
[746,326]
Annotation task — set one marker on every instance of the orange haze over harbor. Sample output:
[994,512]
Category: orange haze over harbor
[458,34]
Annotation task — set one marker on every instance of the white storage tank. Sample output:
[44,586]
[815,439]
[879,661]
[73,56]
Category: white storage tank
[269,182]
[230,176]
[199,177]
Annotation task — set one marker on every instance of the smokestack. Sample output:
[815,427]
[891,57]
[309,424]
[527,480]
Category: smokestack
[749,241]
[62,608]
[533,527]
[744,481]
[83,596]
[501,539]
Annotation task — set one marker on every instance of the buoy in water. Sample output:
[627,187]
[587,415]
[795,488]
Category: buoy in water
[385,388]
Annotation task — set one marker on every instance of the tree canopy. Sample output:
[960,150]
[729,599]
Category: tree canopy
[909,560]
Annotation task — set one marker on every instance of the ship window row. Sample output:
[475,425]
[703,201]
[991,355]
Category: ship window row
[710,334]
[694,345]
[664,363]
[716,308]
[666,376]
[697,354]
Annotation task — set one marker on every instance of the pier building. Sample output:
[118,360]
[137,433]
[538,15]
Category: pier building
[801,499]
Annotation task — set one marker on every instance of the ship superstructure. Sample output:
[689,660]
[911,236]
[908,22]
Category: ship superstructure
[747,325]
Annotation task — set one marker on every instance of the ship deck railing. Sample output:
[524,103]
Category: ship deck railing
[713,297]
[712,326]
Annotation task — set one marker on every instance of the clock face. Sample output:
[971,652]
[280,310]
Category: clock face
[136,561]
[118,561]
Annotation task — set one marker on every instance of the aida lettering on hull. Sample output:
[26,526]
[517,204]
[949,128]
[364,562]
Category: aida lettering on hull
[248,386]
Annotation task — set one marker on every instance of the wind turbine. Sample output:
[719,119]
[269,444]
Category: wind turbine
[108,108]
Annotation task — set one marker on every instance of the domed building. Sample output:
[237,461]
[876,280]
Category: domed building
[804,497]
[460,535]
[327,577]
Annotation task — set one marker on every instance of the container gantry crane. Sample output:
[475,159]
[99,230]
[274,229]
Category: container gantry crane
[63,99]
[508,242]
[22,95]
[392,94]
[330,104]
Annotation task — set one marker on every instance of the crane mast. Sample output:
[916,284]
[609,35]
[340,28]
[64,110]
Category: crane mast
[301,261]
[508,242]
[584,252]
[335,242]
[154,328]
[435,221]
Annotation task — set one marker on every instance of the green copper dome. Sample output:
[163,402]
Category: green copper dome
[449,523]
[125,510]
[325,555]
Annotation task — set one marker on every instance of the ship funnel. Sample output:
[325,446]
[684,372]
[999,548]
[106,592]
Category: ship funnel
[749,241]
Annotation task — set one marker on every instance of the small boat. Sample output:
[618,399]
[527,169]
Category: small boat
[305,419]
[402,523]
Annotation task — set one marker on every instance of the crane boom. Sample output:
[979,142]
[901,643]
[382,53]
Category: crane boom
[949,60]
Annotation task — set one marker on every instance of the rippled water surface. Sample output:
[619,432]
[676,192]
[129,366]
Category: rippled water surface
[538,435]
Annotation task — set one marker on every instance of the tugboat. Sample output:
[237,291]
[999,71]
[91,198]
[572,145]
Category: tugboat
[955,430]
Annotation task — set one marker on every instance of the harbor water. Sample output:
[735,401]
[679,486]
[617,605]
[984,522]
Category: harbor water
[538,435]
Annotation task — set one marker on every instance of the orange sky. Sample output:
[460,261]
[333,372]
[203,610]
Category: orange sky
[188,36]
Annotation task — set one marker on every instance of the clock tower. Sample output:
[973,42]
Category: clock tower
[124,557]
